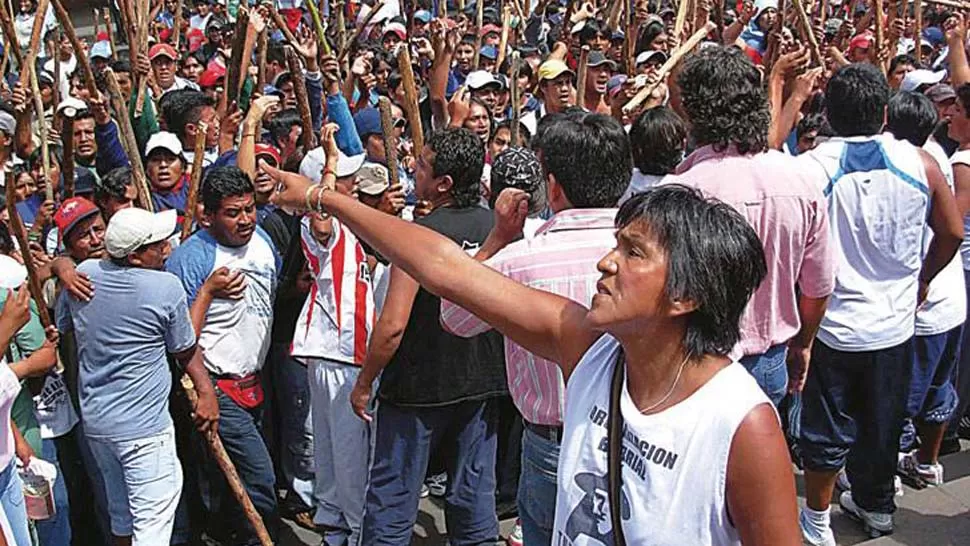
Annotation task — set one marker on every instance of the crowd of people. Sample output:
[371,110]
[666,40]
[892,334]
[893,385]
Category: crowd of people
[609,270]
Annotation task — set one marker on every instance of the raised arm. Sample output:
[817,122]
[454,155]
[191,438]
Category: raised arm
[548,325]
[945,221]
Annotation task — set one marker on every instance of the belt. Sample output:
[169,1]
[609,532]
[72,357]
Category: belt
[547,432]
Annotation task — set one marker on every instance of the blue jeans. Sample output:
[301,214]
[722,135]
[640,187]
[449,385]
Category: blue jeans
[239,430]
[295,432]
[962,381]
[537,488]
[12,502]
[56,530]
[932,393]
[406,436]
[770,371]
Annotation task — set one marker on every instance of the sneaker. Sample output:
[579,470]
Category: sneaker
[425,491]
[814,534]
[515,537]
[930,474]
[875,524]
[437,485]
[842,482]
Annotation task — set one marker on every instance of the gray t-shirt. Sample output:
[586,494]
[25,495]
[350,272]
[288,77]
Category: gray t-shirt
[123,334]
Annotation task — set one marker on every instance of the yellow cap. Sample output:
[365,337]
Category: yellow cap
[552,68]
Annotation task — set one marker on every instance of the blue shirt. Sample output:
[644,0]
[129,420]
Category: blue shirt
[123,336]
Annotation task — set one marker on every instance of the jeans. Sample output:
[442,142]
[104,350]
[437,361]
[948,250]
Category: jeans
[853,407]
[963,371]
[770,371]
[294,431]
[932,394]
[406,436]
[15,527]
[239,430]
[56,530]
[537,488]
[143,479]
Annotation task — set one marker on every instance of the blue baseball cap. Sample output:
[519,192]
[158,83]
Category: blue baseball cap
[933,35]
[422,15]
[368,122]
[489,52]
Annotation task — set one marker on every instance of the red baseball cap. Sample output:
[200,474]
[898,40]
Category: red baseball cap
[102,37]
[195,38]
[490,28]
[266,149]
[861,41]
[210,78]
[159,50]
[71,212]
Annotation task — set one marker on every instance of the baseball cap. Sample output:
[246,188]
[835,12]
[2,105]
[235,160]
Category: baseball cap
[552,68]
[861,41]
[615,84]
[71,212]
[368,122]
[164,140]
[940,92]
[160,50]
[71,106]
[488,29]
[396,28]
[933,35]
[133,228]
[313,162]
[100,50]
[517,167]
[12,273]
[422,15]
[480,78]
[8,125]
[913,80]
[268,149]
[489,52]
[596,58]
[372,179]
[647,55]
[210,78]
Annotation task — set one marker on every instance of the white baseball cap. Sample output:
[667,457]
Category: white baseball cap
[481,78]
[314,161]
[133,228]
[164,140]
[913,80]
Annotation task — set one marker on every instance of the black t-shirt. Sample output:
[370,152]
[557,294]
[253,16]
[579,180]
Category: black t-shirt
[284,230]
[432,367]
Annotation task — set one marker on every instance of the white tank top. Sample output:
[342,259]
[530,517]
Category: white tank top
[674,462]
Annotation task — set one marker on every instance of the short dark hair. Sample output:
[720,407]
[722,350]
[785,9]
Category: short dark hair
[113,184]
[222,182]
[593,28]
[121,65]
[905,59]
[589,154]
[855,100]
[658,139]
[726,104]
[963,95]
[459,153]
[714,259]
[276,53]
[183,107]
[809,123]
[279,127]
[911,117]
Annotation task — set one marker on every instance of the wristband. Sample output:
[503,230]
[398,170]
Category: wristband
[306,197]
[319,209]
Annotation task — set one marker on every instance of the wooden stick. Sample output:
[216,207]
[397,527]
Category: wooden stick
[111,35]
[142,36]
[675,58]
[360,30]
[10,35]
[195,180]
[809,33]
[302,102]
[20,232]
[503,43]
[918,28]
[681,18]
[34,47]
[97,19]
[390,141]
[876,52]
[5,61]
[281,24]
[515,99]
[229,471]
[480,5]
[341,26]
[613,17]
[318,25]
[45,154]
[67,145]
[177,25]
[630,44]
[234,77]
[56,52]
[410,105]
[262,43]
[129,142]
[948,3]
[581,70]
[82,60]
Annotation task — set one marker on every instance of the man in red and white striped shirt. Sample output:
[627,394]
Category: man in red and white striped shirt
[586,158]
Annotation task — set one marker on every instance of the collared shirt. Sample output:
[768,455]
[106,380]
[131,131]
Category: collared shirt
[785,206]
[561,259]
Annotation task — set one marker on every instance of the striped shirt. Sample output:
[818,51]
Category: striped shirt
[561,259]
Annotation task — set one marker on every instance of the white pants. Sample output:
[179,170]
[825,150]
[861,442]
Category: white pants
[341,448]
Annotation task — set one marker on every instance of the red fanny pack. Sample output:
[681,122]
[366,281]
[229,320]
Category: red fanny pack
[245,391]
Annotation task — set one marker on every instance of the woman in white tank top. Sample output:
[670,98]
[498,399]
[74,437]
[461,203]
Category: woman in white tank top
[703,456]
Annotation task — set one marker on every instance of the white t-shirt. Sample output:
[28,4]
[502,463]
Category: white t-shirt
[674,462]
[53,407]
[945,307]
[962,157]
[878,201]
[639,183]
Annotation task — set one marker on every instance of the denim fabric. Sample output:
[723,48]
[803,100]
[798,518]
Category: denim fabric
[537,488]
[12,502]
[962,381]
[405,438]
[56,530]
[143,479]
[932,393]
[853,407]
[85,489]
[295,428]
[239,430]
[770,371]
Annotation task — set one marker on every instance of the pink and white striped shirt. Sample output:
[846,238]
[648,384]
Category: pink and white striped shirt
[561,259]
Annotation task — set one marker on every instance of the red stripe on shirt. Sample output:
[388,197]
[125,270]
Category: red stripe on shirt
[360,311]
[337,271]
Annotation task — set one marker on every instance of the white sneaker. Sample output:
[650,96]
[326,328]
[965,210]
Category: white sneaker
[874,523]
[515,537]
[932,474]
[813,534]
[438,485]
[842,482]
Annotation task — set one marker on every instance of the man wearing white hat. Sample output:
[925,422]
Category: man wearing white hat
[166,172]
[124,336]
